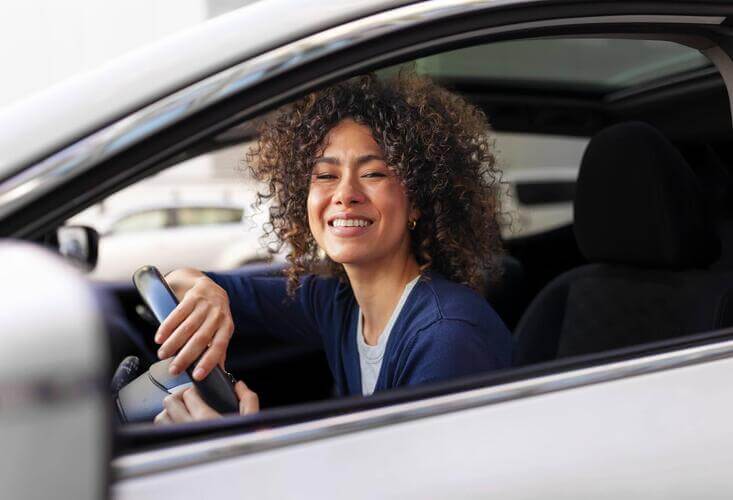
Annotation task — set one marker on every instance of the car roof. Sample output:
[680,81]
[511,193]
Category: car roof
[86,102]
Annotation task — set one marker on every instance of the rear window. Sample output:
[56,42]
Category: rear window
[543,193]
[575,63]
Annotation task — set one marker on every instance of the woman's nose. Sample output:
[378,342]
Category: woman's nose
[348,191]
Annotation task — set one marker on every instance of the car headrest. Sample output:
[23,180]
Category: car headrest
[639,203]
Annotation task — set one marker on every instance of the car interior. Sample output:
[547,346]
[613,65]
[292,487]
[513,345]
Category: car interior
[645,266]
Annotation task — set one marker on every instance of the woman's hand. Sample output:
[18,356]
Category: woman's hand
[187,406]
[202,321]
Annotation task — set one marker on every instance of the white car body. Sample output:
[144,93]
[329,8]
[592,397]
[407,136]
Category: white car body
[655,426]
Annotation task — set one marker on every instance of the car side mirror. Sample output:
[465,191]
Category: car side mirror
[55,425]
[78,244]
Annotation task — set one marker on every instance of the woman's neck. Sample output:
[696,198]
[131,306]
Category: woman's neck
[378,288]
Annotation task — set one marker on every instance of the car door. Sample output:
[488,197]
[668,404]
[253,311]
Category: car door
[658,435]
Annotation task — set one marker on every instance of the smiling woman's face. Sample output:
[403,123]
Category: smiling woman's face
[358,210]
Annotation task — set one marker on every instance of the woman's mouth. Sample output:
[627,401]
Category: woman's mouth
[349,227]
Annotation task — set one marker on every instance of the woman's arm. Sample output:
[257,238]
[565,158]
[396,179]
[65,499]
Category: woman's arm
[214,305]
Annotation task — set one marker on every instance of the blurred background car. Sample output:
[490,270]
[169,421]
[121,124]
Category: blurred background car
[535,200]
[199,214]
[213,236]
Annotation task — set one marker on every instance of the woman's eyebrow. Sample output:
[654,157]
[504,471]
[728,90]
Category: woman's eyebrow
[367,158]
[359,161]
[328,159]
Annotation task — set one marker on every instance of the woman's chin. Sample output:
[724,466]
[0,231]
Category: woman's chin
[351,257]
[347,260]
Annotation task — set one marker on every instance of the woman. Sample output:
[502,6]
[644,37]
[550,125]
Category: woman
[385,194]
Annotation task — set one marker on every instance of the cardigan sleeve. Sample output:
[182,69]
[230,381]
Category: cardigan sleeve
[261,305]
[451,348]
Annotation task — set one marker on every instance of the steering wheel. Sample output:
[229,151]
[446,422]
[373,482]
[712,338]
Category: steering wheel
[139,398]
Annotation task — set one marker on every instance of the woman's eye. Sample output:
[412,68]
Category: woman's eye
[324,177]
[373,175]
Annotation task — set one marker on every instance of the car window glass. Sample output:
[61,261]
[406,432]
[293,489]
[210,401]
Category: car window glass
[539,170]
[601,64]
[538,181]
[545,192]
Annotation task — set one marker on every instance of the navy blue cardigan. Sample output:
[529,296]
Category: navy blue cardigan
[444,330]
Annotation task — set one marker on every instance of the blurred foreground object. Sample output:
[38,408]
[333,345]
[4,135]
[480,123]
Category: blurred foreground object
[53,408]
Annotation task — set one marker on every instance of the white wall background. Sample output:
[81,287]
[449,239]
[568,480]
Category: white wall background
[45,41]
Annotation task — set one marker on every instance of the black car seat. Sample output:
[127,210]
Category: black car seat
[641,222]
[508,294]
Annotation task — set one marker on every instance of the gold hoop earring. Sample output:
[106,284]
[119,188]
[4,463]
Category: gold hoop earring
[412,224]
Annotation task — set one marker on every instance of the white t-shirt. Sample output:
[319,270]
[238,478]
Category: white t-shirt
[370,356]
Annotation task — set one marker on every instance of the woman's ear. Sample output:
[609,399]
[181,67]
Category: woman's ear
[414,214]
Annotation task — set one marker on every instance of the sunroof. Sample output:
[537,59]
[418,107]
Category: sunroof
[603,64]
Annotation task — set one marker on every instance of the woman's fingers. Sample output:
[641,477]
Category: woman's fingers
[249,402]
[183,331]
[188,405]
[174,319]
[196,345]
[202,323]
[196,406]
[176,409]
[216,353]
[162,418]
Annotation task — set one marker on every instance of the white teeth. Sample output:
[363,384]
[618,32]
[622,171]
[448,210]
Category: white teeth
[350,223]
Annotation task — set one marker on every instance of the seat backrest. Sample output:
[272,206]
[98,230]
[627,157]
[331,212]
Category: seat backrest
[508,295]
[641,222]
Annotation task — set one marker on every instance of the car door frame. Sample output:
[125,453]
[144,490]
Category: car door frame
[289,416]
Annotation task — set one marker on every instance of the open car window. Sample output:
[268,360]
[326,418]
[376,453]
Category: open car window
[538,184]
[543,116]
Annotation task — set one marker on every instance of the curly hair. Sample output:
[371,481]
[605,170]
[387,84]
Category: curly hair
[436,142]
